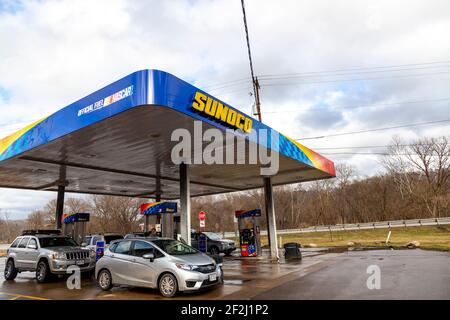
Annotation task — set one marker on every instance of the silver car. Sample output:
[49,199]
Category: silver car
[162,263]
[47,254]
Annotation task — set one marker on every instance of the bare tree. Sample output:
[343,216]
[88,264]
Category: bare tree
[77,205]
[344,173]
[116,214]
[36,220]
[421,170]
[3,227]
[49,212]
[415,185]
[9,229]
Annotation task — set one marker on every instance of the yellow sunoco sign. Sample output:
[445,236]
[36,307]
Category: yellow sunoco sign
[222,112]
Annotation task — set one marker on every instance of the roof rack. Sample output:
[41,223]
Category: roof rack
[40,231]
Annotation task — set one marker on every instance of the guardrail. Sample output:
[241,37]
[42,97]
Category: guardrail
[360,226]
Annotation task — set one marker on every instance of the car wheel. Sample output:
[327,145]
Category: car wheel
[42,272]
[168,285]
[228,253]
[105,280]
[214,251]
[10,270]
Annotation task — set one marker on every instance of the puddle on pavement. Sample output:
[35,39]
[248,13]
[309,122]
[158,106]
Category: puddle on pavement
[235,282]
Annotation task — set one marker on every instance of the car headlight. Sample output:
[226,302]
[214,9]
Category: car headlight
[58,255]
[92,253]
[187,267]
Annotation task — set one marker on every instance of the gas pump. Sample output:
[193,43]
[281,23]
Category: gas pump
[74,225]
[167,211]
[249,233]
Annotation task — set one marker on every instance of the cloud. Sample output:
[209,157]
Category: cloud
[20,203]
[322,114]
[54,52]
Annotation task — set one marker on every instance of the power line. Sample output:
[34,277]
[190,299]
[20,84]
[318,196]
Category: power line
[361,106]
[360,68]
[360,147]
[305,75]
[370,153]
[276,84]
[226,84]
[377,146]
[425,64]
[354,79]
[234,90]
[376,154]
[359,153]
[378,129]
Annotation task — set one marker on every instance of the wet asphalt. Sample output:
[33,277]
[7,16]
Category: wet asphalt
[405,274]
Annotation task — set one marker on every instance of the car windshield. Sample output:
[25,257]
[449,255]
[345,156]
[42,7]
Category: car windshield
[174,247]
[213,236]
[87,240]
[110,238]
[57,242]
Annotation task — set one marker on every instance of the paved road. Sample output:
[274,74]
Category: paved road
[405,274]
[244,277]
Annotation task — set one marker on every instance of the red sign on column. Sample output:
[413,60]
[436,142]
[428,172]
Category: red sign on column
[202,216]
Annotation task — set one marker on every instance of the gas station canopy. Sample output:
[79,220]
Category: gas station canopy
[117,141]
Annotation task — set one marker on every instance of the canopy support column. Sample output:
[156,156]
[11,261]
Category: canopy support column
[146,221]
[271,222]
[60,206]
[185,203]
[147,217]
[62,183]
[158,196]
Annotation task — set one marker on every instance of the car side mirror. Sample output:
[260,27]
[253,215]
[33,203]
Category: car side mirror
[149,256]
[32,246]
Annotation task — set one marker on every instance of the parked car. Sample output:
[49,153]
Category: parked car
[166,264]
[140,235]
[90,241]
[215,243]
[46,252]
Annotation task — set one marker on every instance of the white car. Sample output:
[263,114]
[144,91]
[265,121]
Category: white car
[90,241]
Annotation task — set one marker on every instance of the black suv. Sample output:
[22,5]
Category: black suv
[215,243]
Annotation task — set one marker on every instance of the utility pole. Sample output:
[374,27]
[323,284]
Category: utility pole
[257,101]
[254,79]
[269,215]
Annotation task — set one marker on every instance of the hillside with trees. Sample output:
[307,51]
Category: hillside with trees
[415,184]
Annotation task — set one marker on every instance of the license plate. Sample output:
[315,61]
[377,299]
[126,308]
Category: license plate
[213,277]
[80,262]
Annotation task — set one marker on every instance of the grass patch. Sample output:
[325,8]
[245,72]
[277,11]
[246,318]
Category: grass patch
[430,237]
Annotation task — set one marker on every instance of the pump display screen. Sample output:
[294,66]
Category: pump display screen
[248,243]
[247,236]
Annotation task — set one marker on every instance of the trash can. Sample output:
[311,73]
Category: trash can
[217,258]
[292,251]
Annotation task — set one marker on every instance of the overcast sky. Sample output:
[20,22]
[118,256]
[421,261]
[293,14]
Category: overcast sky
[54,52]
